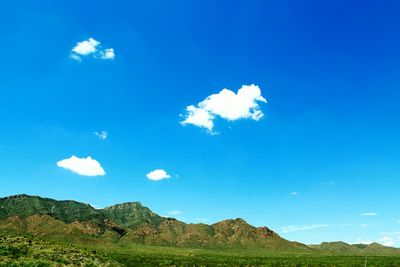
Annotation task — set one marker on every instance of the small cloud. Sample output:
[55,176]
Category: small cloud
[294,228]
[369,214]
[86,47]
[174,212]
[294,193]
[108,53]
[227,105]
[158,175]
[91,47]
[82,166]
[102,135]
[76,57]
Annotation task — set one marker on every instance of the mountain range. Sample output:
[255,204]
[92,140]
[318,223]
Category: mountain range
[132,223]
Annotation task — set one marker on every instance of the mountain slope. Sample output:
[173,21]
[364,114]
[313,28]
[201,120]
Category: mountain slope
[127,223]
[340,247]
[130,223]
[66,211]
[131,215]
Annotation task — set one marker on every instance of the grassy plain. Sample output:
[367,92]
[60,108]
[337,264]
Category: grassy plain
[28,251]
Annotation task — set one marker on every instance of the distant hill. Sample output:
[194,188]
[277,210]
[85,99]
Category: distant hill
[355,249]
[132,223]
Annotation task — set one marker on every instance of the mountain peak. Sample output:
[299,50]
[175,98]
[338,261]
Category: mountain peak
[132,214]
[66,211]
[233,221]
[19,196]
[125,205]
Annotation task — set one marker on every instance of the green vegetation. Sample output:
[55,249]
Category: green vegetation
[65,211]
[37,231]
[132,214]
[129,223]
[277,261]
[27,251]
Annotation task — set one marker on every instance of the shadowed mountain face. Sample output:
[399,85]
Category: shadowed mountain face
[128,223]
[65,211]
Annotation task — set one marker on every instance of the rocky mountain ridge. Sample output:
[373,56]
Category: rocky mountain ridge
[132,223]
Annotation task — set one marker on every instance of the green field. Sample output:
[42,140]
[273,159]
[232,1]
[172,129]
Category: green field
[28,251]
[36,231]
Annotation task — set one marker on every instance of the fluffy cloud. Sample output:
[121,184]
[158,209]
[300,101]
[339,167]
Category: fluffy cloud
[82,166]
[158,175]
[199,117]
[228,105]
[294,228]
[86,47]
[369,214]
[91,47]
[102,135]
[108,54]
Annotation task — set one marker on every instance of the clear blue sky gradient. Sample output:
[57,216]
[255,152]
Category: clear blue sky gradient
[329,70]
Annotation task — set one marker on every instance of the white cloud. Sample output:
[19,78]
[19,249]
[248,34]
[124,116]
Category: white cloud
[387,240]
[228,105]
[91,47]
[86,47]
[199,117]
[82,166]
[294,193]
[76,57]
[175,212]
[158,175]
[102,135]
[369,214]
[390,239]
[294,228]
[108,53]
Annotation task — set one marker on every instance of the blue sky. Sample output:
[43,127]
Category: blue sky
[321,164]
